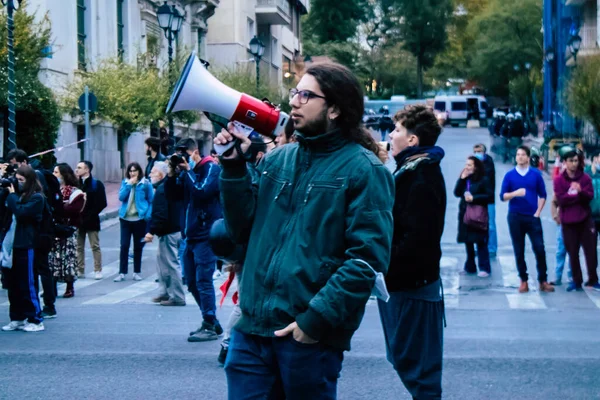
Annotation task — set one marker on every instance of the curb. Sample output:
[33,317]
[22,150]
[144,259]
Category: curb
[109,214]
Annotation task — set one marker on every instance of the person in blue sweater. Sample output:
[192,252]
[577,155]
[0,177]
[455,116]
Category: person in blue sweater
[523,187]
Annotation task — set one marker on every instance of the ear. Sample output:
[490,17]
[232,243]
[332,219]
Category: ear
[333,112]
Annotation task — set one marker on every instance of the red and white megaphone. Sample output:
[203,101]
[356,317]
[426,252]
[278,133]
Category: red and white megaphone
[197,89]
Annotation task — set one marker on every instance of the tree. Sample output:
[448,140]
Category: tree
[330,21]
[422,29]
[583,89]
[37,112]
[507,33]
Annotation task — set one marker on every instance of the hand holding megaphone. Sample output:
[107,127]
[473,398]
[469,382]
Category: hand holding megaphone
[232,133]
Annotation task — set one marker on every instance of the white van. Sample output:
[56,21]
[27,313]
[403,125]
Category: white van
[454,110]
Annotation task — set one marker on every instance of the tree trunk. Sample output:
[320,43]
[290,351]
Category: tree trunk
[419,77]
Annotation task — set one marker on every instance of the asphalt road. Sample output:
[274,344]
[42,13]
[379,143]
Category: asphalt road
[110,342]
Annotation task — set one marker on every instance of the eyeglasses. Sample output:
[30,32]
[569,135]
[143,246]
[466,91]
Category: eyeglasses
[305,95]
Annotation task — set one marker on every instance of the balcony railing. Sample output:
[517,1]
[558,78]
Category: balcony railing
[283,5]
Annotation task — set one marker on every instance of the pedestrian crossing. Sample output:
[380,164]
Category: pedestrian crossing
[465,292]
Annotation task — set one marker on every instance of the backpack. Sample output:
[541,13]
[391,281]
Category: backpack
[52,192]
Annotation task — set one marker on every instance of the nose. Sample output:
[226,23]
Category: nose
[295,101]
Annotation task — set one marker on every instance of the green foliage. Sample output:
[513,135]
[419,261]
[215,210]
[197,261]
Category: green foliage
[507,32]
[37,111]
[330,21]
[583,89]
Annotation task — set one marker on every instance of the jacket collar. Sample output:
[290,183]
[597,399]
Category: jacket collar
[410,158]
[325,143]
[577,176]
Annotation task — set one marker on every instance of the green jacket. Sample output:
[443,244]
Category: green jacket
[595,203]
[318,207]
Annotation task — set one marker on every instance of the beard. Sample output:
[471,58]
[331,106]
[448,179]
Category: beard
[316,126]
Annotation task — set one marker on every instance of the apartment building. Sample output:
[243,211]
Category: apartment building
[85,32]
[275,22]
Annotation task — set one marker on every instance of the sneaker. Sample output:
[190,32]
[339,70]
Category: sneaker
[48,313]
[222,355]
[206,333]
[557,282]
[31,327]
[574,287]
[119,278]
[483,274]
[524,288]
[158,299]
[98,275]
[217,326]
[596,286]
[546,287]
[588,284]
[172,303]
[137,277]
[14,326]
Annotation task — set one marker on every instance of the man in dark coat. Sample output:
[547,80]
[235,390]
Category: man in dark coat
[94,204]
[480,151]
[412,318]
[153,152]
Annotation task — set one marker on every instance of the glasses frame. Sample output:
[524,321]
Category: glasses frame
[310,95]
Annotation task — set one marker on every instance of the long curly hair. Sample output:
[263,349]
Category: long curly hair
[342,89]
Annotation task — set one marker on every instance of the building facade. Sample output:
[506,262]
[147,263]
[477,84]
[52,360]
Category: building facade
[275,22]
[86,32]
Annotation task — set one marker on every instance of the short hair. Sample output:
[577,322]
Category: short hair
[420,121]
[526,149]
[153,143]
[88,164]
[480,146]
[187,144]
[162,167]
[18,154]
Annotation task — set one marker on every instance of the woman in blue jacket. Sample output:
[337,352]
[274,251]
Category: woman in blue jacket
[136,197]
[26,205]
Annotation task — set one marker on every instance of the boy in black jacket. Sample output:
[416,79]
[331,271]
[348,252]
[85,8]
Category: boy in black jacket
[412,318]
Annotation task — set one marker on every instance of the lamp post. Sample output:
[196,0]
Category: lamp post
[11,6]
[170,20]
[257,49]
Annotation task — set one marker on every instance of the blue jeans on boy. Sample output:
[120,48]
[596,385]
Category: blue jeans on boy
[493,236]
[527,225]
[199,262]
[561,257]
[281,368]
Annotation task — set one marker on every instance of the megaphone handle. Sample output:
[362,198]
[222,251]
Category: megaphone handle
[222,148]
[241,128]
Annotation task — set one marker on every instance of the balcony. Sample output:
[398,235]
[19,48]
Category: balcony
[273,12]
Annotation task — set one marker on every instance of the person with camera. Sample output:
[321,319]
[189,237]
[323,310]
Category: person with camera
[136,195]
[25,204]
[318,229]
[63,257]
[198,187]
[95,202]
[164,223]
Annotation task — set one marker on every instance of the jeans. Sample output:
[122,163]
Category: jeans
[414,337]
[273,368]
[528,225]
[580,235]
[137,229]
[199,262]
[561,257]
[180,254]
[236,315]
[493,236]
[482,255]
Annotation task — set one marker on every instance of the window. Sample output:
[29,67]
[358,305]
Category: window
[459,106]
[440,106]
[120,30]
[483,105]
[250,32]
[275,59]
[81,34]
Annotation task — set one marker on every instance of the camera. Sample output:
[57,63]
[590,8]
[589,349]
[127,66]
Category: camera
[178,158]
[10,177]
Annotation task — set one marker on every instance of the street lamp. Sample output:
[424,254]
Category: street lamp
[11,6]
[170,20]
[257,49]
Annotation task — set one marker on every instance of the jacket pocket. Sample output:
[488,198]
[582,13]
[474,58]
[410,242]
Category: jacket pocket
[275,187]
[323,188]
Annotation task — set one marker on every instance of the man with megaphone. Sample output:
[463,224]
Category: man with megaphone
[318,229]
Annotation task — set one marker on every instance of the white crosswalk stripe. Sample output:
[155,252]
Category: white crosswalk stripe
[524,301]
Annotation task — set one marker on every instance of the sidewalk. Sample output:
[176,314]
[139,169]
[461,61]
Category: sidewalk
[112,200]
